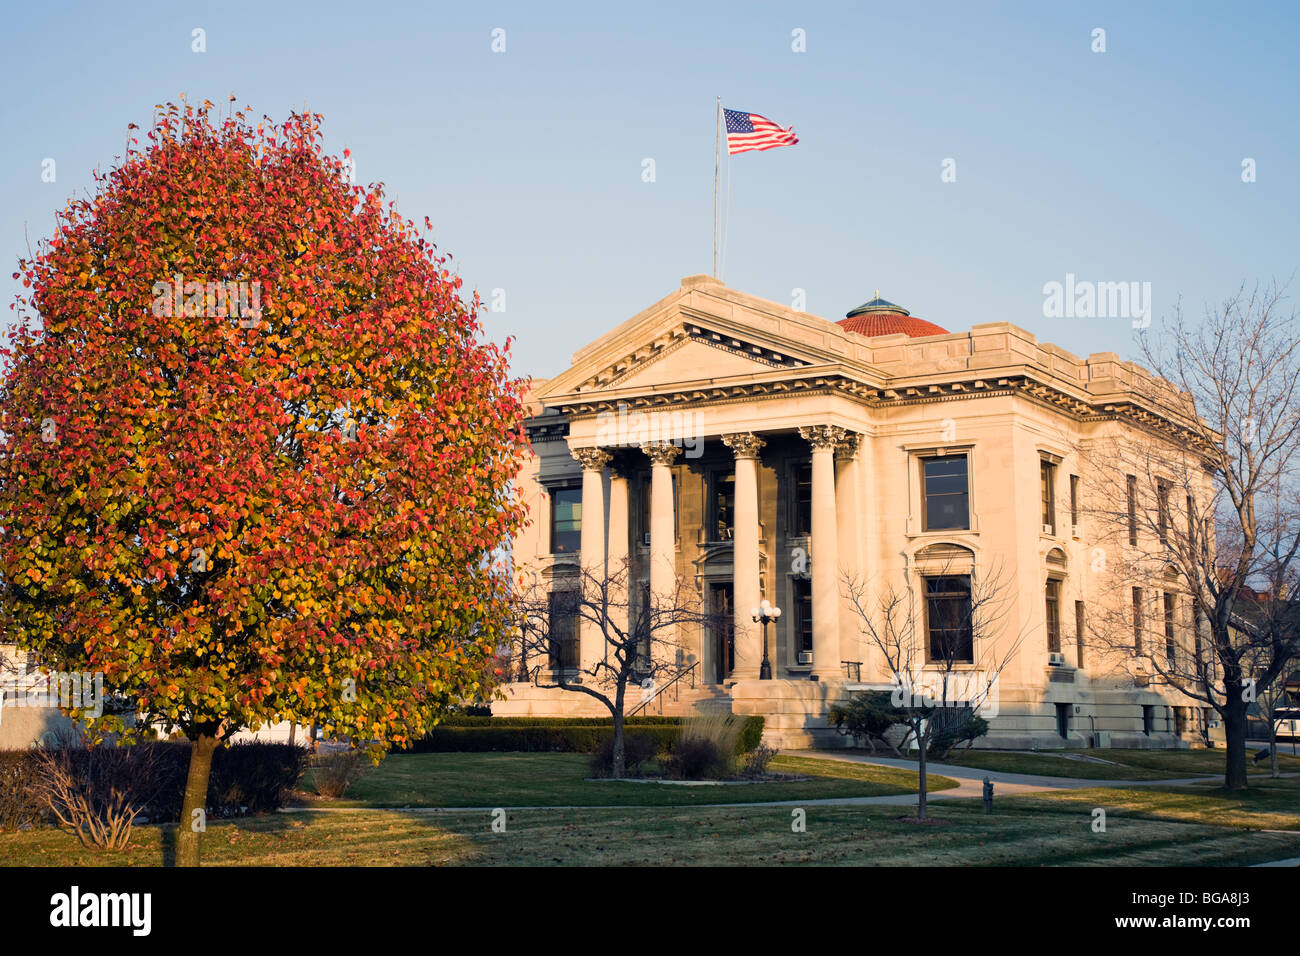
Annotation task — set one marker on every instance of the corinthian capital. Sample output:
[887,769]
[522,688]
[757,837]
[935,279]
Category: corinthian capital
[822,436]
[744,444]
[662,453]
[593,459]
[847,449]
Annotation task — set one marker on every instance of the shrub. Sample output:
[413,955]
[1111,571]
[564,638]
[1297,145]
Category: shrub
[637,749]
[335,774]
[868,717]
[755,767]
[722,729]
[751,735]
[19,802]
[98,792]
[696,758]
[954,725]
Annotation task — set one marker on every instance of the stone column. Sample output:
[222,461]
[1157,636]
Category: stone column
[663,538]
[619,569]
[747,584]
[825,551]
[591,641]
[847,489]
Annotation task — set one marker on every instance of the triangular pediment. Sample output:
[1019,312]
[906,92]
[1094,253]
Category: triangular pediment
[699,355]
[700,334]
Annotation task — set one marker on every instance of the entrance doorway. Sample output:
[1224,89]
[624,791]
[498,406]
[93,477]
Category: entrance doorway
[722,606]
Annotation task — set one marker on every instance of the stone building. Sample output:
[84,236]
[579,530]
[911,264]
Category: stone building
[762,453]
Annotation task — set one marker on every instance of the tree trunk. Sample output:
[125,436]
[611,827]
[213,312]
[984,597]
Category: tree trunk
[617,770]
[921,744]
[196,798]
[292,730]
[1234,731]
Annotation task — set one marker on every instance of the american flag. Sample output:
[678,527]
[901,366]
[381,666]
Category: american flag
[749,131]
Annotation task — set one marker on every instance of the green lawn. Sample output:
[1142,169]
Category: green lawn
[1023,832]
[1120,765]
[556,780]
[1200,825]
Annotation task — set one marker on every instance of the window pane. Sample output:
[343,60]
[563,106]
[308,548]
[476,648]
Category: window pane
[946,489]
[724,506]
[803,499]
[566,520]
[948,618]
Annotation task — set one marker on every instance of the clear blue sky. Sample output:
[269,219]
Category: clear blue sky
[1115,166]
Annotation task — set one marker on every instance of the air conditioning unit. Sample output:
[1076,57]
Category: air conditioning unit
[1049,529]
[1055,659]
[645,539]
[1077,530]
[805,657]
[1101,739]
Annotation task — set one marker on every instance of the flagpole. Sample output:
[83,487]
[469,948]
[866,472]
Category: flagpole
[717,147]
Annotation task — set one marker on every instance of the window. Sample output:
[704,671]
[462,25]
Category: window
[1054,615]
[948,619]
[1080,628]
[945,492]
[1148,718]
[1047,481]
[1132,509]
[722,495]
[566,520]
[1074,500]
[1162,510]
[802,505]
[562,630]
[1196,631]
[1171,646]
[1063,720]
[803,630]
[1137,620]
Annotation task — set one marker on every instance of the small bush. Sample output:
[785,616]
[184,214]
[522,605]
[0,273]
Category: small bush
[751,735]
[98,792]
[19,803]
[335,774]
[696,758]
[756,761]
[637,749]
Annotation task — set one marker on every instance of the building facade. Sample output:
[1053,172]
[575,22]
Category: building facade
[761,453]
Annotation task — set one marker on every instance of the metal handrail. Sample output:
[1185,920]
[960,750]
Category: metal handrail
[658,695]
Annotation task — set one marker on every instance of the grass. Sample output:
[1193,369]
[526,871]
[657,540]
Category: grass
[1122,765]
[1198,825]
[1023,832]
[554,780]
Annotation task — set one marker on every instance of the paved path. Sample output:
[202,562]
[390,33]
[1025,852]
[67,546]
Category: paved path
[970,780]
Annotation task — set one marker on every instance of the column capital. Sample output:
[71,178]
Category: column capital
[822,436]
[662,453]
[744,444]
[593,459]
[847,448]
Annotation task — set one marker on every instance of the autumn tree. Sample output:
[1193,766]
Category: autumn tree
[1198,527]
[256,453]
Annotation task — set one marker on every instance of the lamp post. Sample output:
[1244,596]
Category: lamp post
[761,615]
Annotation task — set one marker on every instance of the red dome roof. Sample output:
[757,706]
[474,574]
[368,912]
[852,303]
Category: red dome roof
[887,323]
[879,317]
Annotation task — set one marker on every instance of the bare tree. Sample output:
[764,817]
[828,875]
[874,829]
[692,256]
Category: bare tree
[924,647]
[637,636]
[1198,518]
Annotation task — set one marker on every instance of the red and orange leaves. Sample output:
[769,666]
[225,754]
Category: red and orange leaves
[206,527]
